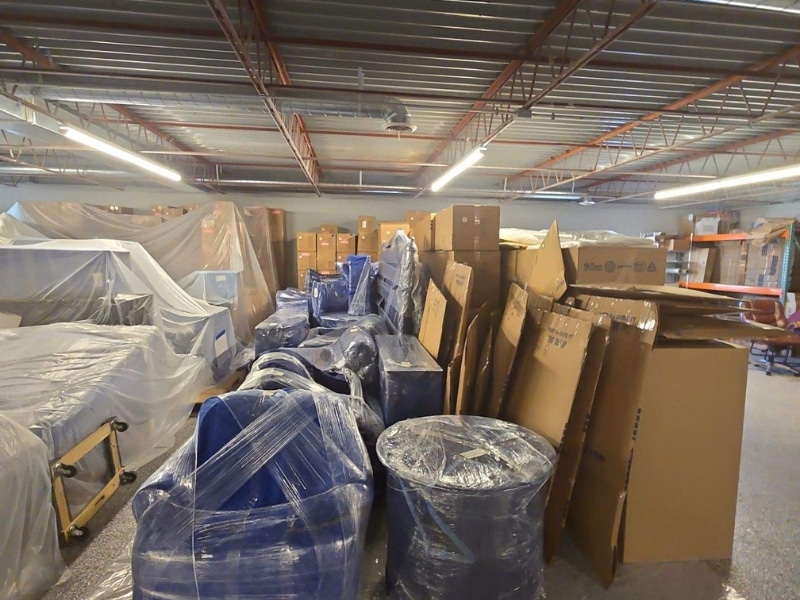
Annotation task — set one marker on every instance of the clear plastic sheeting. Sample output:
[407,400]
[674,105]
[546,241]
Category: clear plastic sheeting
[465,505]
[336,320]
[362,300]
[572,239]
[401,284]
[287,327]
[269,499]
[292,297]
[110,283]
[63,381]
[213,237]
[30,561]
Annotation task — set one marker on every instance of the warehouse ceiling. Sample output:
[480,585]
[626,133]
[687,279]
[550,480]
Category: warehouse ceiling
[595,100]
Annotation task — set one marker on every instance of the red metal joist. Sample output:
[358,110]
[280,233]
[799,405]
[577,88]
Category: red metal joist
[251,52]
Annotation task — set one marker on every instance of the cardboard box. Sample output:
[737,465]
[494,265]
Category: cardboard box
[367,224]
[301,280]
[765,263]
[700,264]
[615,264]
[279,257]
[486,272]
[389,228]
[346,244]
[422,229]
[326,266]
[707,226]
[369,242]
[373,256]
[467,227]
[732,262]
[506,345]
[329,228]
[306,241]
[326,247]
[306,260]
[432,326]
[277,224]
[9,320]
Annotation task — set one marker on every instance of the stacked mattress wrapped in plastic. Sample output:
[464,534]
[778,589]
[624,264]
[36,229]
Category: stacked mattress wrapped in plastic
[465,504]
[269,499]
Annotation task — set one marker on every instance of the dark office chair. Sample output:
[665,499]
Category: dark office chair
[770,312]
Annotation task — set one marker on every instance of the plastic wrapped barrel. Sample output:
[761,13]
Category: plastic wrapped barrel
[465,506]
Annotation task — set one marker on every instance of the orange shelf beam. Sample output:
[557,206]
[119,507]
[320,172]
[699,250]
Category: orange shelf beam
[733,289]
[729,237]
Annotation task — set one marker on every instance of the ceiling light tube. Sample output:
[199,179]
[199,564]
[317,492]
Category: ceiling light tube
[787,172]
[130,157]
[458,168]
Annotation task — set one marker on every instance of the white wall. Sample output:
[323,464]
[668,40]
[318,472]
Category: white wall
[791,209]
[307,211]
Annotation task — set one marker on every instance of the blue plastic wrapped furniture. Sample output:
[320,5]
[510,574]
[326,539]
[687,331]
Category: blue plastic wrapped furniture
[355,264]
[335,320]
[401,284]
[287,327]
[292,298]
[465,504]
[411,383]
[329,296]
[362,300]
[269,499]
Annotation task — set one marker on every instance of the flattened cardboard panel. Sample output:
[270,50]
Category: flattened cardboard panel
[709,328]
[457,290]
[451,384]
[549,368]
[484,377]
[653,292]
[595,512]
[681,502]
[505,347]
[433,316]
[546,277]
[571,453]
[640,314]
[536,303]
[476,334]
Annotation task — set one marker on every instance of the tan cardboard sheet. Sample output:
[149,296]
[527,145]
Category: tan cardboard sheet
[505,347]
[433,317]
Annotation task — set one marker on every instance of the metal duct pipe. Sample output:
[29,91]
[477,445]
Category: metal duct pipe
[139,98]
[347,105]
[392,111]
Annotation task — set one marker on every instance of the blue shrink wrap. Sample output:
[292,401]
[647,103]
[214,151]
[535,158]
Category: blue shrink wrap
[329,296]
[335,320]
[292,298]
[411,383]
[287,327]
[269,499]
[465,504]
[355,265]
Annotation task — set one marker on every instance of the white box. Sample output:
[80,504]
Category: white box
[707,226]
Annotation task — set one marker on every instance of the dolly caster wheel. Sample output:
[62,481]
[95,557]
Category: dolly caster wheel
[78,532]
[66,470]
[119,426]
[127,477]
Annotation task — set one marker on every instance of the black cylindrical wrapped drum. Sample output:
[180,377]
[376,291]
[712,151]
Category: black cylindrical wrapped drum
[465,506]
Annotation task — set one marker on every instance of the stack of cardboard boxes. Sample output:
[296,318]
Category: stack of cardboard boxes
[626,381]
[765,263]
[368,237]
[733,262]
[465,234]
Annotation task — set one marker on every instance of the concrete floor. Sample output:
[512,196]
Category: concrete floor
[765,565]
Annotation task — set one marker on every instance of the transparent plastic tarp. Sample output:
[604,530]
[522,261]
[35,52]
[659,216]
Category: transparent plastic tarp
[292,297]
[329,296]
[30,561]
[212,238]
[362,301]
[269,499]
[400,285]
[465,505]
[110,282]
[63,381]
[571,239]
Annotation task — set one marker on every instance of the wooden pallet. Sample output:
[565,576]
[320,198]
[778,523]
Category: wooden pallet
[231,382]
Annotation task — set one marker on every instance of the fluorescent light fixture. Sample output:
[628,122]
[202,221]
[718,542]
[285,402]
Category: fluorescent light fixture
[728,182]
[117,152]
[552,196]
[458,168]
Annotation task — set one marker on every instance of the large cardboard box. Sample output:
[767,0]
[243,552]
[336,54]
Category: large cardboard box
[615,264]
[367,224]
[389,228]
[765,263]
[369,241]
[659,475]
[467,227]
[732,262]
[422,229]
[326,247]
[306,260]
[485,267]
[277,225]
[306,241]
[329,228]
[346,244]
[279,257]
[700,264]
